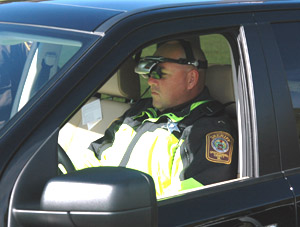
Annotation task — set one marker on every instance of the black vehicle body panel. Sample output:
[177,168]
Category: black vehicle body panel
[287,132]
[232,203]
[47,14]
[267,199]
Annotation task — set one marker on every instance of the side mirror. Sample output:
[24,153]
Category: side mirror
[101,196]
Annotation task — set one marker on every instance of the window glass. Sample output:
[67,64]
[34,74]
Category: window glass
[27,63]
[289,46]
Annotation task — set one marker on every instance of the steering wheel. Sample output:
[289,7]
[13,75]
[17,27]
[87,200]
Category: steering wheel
[64,160]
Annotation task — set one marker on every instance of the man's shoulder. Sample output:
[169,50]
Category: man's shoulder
[208,117]
[218,123]
[202,109]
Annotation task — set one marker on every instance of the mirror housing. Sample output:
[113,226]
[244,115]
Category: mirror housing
[99,196]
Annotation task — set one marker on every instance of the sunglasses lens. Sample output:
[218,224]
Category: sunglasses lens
[150,68]
[155,75]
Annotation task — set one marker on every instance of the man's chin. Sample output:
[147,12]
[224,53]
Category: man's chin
[157,105]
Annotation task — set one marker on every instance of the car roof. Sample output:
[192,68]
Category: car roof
[88,15]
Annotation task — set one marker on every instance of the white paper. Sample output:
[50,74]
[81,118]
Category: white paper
[91,113]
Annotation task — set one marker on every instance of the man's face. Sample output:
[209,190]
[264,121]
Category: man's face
[170,90]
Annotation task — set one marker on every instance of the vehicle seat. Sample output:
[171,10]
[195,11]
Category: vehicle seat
[124,84]
[75,137]
[220,84]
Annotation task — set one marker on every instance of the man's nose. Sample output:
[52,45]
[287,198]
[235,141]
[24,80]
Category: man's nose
[152,81]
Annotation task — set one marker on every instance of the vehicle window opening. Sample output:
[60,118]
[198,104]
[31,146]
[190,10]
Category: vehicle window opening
[111,100]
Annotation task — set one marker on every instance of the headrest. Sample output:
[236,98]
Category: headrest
[197,51]
[220,83]
[124,83]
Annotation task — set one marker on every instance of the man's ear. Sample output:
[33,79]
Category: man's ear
[192,79]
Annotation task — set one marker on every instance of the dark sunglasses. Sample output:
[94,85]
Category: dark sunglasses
[149,66]
[156,73]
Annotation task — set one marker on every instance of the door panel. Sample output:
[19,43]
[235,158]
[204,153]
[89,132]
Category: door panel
[262,199]
[283,60]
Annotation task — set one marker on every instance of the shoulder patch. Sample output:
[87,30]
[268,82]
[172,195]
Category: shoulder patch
[219,147]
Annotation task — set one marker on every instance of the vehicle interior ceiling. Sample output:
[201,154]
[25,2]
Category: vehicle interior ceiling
[125,85]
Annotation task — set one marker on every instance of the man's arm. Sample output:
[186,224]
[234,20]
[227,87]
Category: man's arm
[210,153]
[107,140]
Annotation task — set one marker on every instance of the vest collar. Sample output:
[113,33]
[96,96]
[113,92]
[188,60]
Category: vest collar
[184,109]
[175,114]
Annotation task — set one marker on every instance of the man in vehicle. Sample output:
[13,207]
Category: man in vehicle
[181,136]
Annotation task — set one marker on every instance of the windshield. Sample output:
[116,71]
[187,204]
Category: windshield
[27,63]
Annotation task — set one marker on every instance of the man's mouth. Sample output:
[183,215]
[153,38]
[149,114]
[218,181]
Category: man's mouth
[154,92]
